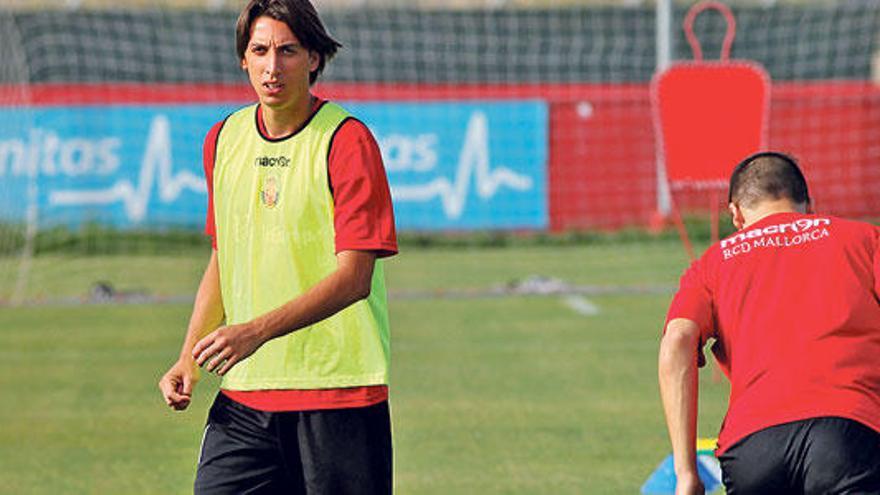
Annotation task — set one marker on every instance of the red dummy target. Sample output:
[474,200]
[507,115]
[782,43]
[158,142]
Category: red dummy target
[709,115]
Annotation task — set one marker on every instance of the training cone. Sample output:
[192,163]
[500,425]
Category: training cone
[662,480]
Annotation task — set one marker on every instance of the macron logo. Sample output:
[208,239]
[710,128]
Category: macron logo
[800,225]
[272,161]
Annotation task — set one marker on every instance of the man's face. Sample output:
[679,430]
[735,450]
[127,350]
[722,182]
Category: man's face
[278,66]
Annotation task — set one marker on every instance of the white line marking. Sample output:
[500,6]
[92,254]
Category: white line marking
[581,305]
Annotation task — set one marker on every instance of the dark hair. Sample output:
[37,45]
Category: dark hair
[300,16]
[767,175]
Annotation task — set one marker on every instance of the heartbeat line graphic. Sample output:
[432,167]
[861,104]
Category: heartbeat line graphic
[157,158]
[473,162]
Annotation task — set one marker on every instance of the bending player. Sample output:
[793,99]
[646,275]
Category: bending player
[299,212]
[791,300]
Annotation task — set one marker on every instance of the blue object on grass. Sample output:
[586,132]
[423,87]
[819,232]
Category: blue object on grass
[662,480]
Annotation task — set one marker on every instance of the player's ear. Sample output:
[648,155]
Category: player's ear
[244,64]
[736,215]
[314,60]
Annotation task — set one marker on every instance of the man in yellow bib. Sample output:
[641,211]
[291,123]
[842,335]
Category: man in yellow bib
[299,214]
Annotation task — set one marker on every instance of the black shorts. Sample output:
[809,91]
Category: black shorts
[338,451]
[819,456]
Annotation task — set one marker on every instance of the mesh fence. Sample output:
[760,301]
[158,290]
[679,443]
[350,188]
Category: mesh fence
[571,44]
[514,116]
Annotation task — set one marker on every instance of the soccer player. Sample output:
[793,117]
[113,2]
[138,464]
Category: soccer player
[299,212]
[791,300]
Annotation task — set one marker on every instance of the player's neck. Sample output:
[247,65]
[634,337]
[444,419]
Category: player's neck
[772,207]
[283,121]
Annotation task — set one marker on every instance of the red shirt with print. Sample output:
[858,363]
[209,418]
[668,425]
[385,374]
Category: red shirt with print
[363,221]
[792,301]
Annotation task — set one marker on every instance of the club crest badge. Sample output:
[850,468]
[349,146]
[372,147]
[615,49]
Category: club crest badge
[269,192]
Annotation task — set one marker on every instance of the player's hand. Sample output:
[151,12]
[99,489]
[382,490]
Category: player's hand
[689,484]
[177,384]
[221,349]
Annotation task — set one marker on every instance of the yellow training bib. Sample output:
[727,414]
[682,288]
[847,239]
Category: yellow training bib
[273,212]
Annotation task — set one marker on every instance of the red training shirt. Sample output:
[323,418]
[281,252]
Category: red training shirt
[792,301]
[363,221]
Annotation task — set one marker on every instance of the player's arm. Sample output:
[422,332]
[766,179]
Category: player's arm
[350,282]
[678,373]
[208,313]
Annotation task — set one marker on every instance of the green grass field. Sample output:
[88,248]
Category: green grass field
[499,395]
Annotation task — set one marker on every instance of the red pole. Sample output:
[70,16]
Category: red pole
[682,233]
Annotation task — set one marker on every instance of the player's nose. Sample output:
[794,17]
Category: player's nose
[272,62]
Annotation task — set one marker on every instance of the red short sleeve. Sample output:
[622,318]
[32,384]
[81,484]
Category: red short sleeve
[363,214]
[209,151]
[693,301]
